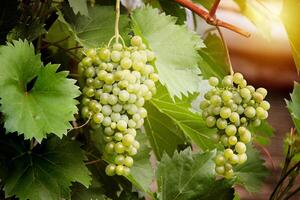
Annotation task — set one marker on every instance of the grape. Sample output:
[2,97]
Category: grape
[119,159]
[240,147]
[230,130]
[119,148]
[119,170]
[231,107]
[110,169]
[213,81]
[210,121]
[128,140]
[136,41]
[128,161]
[220,160]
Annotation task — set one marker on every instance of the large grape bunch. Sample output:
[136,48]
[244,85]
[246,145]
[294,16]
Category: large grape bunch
[232,106]
[118,81]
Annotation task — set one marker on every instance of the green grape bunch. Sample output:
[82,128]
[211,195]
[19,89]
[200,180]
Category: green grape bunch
[232,106]
[118,81]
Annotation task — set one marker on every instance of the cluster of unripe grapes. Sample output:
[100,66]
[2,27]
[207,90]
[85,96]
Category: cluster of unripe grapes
[232,106]
[118,81]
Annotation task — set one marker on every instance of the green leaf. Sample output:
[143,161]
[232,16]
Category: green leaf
[258,15]
[214,60]
[45,107]
[160,128]
[191,124]
[290,16]
[174,9]
[263,133]
[95,191]
[294,106]
[252,173]
[96,29]
[175,48]
[188,176]
[79,6]
[46,172]
[141,173]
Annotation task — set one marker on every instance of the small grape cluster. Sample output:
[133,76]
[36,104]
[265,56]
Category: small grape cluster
[231,106]
[118,81]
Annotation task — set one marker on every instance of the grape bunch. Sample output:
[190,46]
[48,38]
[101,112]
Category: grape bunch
[118,81]
[232,106]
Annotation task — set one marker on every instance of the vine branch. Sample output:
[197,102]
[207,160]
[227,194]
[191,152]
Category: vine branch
[209,16]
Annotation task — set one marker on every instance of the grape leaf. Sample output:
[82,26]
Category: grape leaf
[95,191]
[188,176]
[160,128]
[45,172]
[174,9]
[96,29]
[257,14]
[263,133]
[294,106]
[252,173]
[191,124]
[45,107]
[214,61]
[79,6]
[175,48]
[290,17]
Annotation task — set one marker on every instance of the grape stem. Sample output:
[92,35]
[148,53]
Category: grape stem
[117,34]
[210,18]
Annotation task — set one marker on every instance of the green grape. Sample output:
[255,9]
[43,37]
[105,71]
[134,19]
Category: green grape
[261,113]
[238,78]
[221,123]
[106,110]
[136,144]
[224,140]
[232,140]
[120,170]
[220,160]
[229,174]
[234,117]
[226,95]
[118,136]
[240,147]
[228,166]
[234,159]
[86,62]
[128,161]
[132,151]
[250,112]
[117,46]
[245,93]
[220,170]
[256,122]
[124,95]
[242,158]
[110,169]
[106,121]
[119,148]
[262,91]
[227,81]
[210,121]
[225,112]
[128,140]
[228,153]
[104,54]
[109,147]
[230,130]
[119,159]
[213,81]
[265,105]
[85,112]
[122,125]
[136,41]
[258,97]
[215,100]
[98,118]
[245,137]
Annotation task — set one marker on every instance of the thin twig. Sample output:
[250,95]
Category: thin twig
[226,49]
[282,179]
[81,126]
[292,193]
[92,162]
[212,20]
